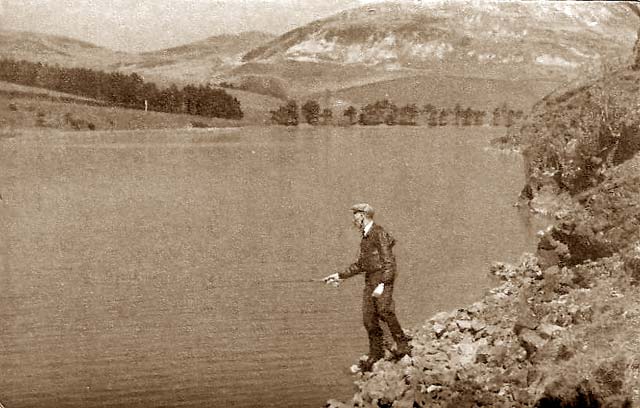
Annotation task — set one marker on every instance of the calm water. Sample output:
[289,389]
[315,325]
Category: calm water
[158,269]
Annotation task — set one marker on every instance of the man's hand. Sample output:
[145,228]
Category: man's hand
[377,292]
[333,279]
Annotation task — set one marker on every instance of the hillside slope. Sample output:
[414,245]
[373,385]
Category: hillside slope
[198,62]
[446,91]
[64,51]
[516,39]
[509,42]
[571,139]
[23,107]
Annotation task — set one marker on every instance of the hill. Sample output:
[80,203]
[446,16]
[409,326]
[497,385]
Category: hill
[198,62]
[64,51]
[195,63]
[23,107]
[446,91]
[511,43]
[480,39]
[10,89]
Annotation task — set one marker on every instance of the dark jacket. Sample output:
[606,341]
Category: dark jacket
[376,259]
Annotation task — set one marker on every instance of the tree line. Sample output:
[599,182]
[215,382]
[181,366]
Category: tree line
[386,112]
[130,91]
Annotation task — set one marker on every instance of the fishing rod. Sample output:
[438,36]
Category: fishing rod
[296,280]
[280,281]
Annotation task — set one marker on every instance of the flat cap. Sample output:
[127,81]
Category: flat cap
[364,208]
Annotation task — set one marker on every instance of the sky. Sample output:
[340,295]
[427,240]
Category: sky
[144,25]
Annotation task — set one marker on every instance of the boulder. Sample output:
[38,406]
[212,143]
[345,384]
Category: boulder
[548,330]
[439,329]
[442,317]
[477,325]
[526,319]
[465,352]
[477,308]
[531,341]
[463,325]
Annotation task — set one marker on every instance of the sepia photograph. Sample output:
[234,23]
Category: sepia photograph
[319,204]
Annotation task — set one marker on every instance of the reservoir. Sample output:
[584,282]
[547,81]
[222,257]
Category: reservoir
[173,268]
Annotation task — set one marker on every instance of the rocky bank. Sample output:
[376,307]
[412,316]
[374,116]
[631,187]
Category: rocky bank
[562,328]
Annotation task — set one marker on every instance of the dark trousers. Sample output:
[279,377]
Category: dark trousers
[375,310]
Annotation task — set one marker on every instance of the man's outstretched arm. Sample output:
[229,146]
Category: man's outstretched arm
[352,270]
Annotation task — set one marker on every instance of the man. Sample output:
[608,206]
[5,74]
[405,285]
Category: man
[377,262]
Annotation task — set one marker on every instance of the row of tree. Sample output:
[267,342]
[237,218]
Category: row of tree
[388,113]
[124,90]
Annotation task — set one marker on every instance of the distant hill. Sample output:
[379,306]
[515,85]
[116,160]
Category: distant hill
[488,38]
[444,91]
[197,62]
[64,51]
[228,45]
[507,42]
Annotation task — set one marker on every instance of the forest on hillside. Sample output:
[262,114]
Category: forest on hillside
[130,91]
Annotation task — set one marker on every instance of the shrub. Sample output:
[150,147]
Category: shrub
[198,124]
[40,119]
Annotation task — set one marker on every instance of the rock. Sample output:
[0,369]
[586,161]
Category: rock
[477,325]
[466,353]
[477,308]
[433,388]
[547,330]
[439,329]
[526,319]
[442,317]
[491,329]
[531,341]
[483,351]
[503,271]
[332,403]
[632,265]
[463,325]
[453,336]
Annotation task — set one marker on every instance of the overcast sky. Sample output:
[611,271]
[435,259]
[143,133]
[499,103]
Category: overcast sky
[141,25]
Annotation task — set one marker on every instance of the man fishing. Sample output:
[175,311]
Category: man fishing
[377,262]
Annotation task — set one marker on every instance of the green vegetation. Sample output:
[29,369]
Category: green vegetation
[286,115]
[30,110]
[571,140]
[129,91]
[311,112]
[386,112]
